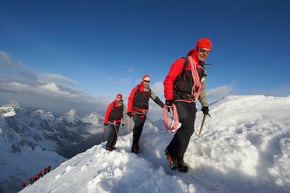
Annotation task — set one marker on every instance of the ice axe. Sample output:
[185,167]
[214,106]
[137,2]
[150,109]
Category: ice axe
[202,123]
[103,134]
[105,128]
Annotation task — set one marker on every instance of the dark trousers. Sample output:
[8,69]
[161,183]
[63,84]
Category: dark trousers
[139,121]
[180,141]
[113,135]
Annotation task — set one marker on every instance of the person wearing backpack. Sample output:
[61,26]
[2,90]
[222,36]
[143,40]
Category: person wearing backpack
[185,84]
[115,115]
[31,180]
[23,185]
[138,105]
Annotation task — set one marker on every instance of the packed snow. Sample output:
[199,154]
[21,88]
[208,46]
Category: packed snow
[244,147]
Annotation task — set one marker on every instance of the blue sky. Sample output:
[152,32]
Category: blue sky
[66,53]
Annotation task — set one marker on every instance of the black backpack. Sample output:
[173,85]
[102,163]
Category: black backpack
[180,77]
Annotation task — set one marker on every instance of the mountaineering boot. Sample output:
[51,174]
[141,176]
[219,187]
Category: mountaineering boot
[111,149]
[181,166]
[171,160]
[108,148]
[135,148]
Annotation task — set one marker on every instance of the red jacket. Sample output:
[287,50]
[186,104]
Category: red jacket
[176,69]
[114,112]
[139,98]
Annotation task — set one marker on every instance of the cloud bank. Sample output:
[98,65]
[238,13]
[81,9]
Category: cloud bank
[42,90]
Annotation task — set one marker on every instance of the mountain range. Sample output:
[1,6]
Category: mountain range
[25,131]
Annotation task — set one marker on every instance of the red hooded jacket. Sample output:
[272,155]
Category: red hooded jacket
[175,70]
[139,98]
[114,112]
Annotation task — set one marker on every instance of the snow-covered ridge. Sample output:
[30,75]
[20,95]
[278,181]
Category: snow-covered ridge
[244,148]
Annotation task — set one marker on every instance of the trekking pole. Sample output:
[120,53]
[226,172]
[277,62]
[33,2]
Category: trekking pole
[129,125]
[103,134]
[105,127]
[202,123]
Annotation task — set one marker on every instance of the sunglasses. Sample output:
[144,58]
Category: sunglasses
[146,81]
[204,51]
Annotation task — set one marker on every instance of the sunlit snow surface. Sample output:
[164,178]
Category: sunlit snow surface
[244,147]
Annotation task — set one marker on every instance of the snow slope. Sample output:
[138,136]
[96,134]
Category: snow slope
[244,147]
[32,139]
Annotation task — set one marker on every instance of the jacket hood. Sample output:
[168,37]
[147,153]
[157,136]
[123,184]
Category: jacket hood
[193,54]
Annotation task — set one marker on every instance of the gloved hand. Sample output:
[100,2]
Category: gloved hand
[123,124]
[105,124]
[205,110]
[169,102]
[129,114]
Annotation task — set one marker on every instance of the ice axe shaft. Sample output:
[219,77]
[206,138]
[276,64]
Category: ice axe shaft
[202,124]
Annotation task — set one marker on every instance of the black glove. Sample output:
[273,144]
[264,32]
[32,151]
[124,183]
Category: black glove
[105,124]
[129,114]
[123,124]
[169,102]
[205,110]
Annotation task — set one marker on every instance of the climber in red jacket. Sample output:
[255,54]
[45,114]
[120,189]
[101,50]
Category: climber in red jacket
[183,86]
[138,105]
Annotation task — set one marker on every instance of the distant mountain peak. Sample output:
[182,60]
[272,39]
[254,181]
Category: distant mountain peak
[7,111]
[71,116]
[46,115]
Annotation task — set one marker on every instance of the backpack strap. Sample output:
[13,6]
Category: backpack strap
[184,65]
[138,90]
[183,69]
[114,103]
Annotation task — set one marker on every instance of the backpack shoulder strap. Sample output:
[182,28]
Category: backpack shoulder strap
[114,103]
[183,69]
[184,65]
[138,90]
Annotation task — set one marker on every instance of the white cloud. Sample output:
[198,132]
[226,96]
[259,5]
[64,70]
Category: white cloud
[14,68]
[279,90]
[158,88]
[56,78]
[130,69]
[219,92]
[212,94]
[42,91]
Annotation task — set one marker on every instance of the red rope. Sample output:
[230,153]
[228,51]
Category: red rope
[197,84]
[171,125]
[148,118]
